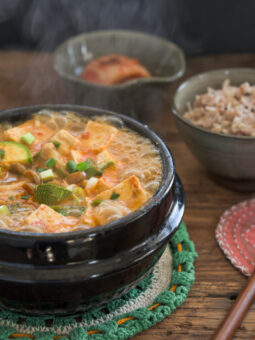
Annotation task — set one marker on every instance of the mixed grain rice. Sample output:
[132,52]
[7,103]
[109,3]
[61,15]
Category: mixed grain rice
[229,110]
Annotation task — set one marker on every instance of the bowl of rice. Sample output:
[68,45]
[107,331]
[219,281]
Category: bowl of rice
[215,114]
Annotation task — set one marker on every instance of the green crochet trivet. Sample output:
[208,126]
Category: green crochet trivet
[152,300]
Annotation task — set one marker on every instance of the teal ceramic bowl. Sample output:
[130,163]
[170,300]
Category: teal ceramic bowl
[231,158]
[139,98]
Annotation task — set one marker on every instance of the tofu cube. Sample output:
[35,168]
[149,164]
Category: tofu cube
[66,140]
[39,130]
[98,135]
[130,192]
[77,156]
[105,160]
[49,151]
[95,186]
[47,217]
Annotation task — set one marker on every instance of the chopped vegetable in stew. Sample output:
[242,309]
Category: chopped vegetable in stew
[60,178]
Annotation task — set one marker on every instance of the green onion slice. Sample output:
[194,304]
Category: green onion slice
[51,162]
[96,202]
[107,165]
[47,175]
[28,138]
[89,167]
[71,166]
[56,144]
[114,196]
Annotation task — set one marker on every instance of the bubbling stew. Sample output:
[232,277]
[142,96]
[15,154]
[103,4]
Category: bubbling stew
[62,172]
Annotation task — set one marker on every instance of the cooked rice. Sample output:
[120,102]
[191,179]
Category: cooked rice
[229,110]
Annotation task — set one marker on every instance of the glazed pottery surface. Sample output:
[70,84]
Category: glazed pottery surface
[73,271]
[139,98]
[231,157]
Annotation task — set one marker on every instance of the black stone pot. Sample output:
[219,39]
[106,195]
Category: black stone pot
[69,272]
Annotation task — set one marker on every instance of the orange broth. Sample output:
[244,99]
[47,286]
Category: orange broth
[63,172]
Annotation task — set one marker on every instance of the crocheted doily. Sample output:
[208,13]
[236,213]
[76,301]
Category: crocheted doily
[162,291]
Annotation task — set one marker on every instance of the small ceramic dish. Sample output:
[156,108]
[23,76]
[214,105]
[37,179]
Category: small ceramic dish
[230,157]
[138,97]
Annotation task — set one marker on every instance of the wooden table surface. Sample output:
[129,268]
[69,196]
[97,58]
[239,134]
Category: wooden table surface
[27,78]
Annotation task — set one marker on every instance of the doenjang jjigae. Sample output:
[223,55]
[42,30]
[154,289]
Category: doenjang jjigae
[63,172]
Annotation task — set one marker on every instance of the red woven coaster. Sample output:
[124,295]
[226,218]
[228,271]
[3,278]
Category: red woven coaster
[235,234]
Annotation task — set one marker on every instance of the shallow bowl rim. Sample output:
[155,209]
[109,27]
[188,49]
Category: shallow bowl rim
[130,83]
[187,82]
[166,181]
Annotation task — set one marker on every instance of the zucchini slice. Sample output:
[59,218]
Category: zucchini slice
[51,194]
[15,152]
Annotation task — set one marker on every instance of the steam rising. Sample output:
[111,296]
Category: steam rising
[45,24]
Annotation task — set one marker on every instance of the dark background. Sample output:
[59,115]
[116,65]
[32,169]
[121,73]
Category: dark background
[198,26]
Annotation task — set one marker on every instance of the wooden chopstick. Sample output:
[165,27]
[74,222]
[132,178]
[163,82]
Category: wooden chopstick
[236,314]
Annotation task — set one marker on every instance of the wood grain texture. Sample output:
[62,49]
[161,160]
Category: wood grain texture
[238,311]
[27,78]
